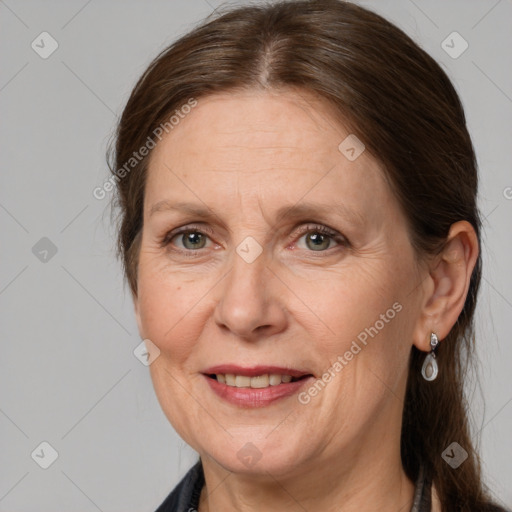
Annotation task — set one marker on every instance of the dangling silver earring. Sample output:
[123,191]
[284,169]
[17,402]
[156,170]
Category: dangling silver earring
[430,369]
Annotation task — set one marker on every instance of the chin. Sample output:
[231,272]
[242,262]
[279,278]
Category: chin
[255,455]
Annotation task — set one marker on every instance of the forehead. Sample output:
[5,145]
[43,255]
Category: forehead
[260,146]
[266,124]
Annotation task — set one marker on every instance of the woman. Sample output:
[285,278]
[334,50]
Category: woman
[299,229]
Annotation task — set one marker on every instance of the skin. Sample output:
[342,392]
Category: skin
[245,155]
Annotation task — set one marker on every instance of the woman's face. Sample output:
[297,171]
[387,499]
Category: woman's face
[296,259]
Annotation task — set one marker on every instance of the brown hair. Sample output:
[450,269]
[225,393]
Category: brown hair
[401,104]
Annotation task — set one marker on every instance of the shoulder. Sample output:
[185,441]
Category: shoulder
[185,495]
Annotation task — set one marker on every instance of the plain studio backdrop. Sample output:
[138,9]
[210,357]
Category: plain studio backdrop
[69,377]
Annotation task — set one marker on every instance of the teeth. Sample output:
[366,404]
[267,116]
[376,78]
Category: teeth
[242,381]
[275,379]
[261,381]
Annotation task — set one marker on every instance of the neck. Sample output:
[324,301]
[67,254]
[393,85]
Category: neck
[367,483]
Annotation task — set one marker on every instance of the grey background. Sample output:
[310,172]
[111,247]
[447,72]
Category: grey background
[68,373]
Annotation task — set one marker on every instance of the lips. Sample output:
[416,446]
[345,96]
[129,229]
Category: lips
[256,386]
[255,371]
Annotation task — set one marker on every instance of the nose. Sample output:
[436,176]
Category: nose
[251,300]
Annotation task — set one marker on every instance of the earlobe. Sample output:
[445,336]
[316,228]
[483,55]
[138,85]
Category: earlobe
[449,279]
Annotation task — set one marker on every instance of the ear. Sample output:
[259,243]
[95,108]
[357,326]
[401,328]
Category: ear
[447,285]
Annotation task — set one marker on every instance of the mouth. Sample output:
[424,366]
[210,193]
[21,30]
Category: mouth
[258,382]
[257,386]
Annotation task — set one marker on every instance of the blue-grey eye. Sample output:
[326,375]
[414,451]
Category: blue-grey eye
[193,240]
[318,241]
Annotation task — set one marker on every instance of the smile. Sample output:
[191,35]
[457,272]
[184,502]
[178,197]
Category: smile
[258,382]
[255,387]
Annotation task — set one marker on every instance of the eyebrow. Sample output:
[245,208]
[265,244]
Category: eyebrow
[289,212]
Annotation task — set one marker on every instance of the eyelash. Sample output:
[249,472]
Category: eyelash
[303,230]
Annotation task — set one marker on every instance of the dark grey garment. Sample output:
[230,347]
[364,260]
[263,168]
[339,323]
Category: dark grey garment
[185,496]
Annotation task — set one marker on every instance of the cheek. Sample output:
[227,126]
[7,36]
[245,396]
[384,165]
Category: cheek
[169,319]
[166,309]
[349,300]
[369,326]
